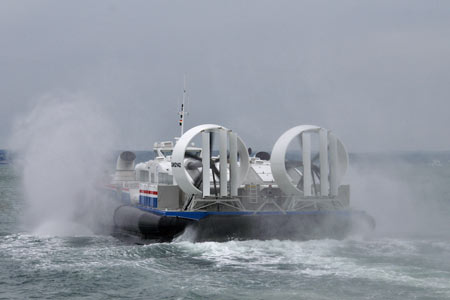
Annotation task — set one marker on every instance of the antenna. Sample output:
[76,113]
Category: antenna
[182,112]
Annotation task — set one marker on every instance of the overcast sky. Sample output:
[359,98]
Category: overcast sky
[375,72]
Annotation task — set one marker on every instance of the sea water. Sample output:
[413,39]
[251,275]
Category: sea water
[407,257]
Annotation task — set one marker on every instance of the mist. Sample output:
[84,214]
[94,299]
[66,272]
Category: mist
[374,72]
[405,192]
[62,145]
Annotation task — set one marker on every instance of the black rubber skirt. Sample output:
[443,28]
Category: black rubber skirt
[131,220]
[303,226]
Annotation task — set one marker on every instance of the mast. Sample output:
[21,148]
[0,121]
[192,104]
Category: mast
[182,112]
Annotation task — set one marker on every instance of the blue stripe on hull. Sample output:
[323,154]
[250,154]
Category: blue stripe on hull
[198,215]
[148,201]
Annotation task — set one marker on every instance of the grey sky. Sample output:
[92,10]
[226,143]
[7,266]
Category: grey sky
[375,72]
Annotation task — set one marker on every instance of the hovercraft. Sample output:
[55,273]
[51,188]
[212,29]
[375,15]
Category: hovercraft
[219,191]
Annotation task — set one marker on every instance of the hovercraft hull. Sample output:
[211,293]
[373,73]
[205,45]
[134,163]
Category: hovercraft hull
[164,226]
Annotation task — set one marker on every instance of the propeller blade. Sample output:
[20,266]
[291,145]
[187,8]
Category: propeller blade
[198,180]
[315,169]
[194,165]
[300,183]
[193,156]
[214,169]
[313,180]
[214,180]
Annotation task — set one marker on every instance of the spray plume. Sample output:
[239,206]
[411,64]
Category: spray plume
[62,145]
[406,198]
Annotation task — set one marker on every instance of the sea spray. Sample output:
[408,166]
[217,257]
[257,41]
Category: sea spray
[62,144]
[406,198]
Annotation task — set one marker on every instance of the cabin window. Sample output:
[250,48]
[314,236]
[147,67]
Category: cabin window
[143,175]
[166,152]
[152,177]
[164,178]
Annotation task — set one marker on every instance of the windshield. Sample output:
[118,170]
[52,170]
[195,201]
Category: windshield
[166,152]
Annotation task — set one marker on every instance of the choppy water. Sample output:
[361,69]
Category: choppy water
[387,265]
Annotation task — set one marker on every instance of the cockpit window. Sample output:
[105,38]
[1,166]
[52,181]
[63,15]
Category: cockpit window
[166,152]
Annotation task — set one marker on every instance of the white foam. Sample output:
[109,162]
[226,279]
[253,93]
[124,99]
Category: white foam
[320,258]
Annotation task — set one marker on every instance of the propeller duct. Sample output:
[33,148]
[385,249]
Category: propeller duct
[193,172]
[316,174]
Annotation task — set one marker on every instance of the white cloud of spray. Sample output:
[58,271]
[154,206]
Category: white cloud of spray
[406,198]
[62,143]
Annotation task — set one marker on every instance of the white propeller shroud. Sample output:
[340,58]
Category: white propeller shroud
[332,155]
[237,171]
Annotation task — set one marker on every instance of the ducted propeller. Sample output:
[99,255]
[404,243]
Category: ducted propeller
[193,172]
[315,172]
[195,163]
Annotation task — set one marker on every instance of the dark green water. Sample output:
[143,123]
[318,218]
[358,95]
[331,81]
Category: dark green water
[408,257]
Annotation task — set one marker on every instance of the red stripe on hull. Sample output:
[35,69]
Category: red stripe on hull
[148,192]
